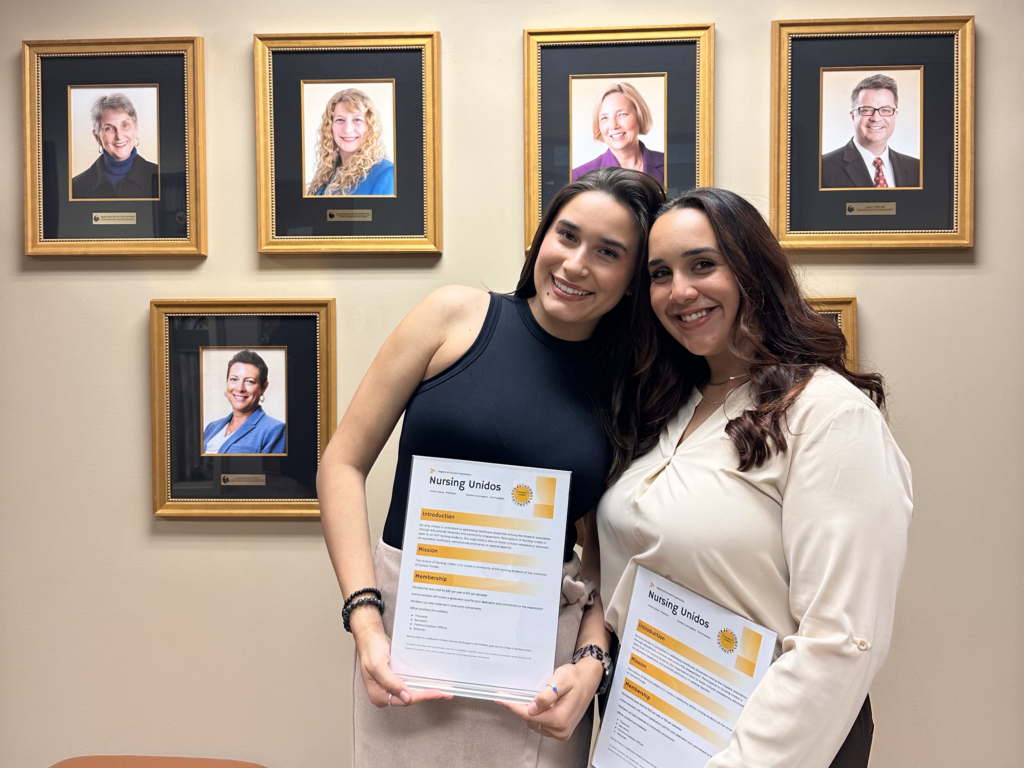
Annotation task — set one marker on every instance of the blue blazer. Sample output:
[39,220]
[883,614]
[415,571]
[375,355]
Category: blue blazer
[259,434]
[380,181]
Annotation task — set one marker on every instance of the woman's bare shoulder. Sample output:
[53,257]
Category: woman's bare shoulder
[453,306]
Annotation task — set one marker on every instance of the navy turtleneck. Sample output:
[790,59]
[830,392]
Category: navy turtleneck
[118,169]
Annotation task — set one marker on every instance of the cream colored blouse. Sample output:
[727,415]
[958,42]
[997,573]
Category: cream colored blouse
[810,545]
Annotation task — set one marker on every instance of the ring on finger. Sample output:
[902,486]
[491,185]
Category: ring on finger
[553,688]
[389,699]
[540,729]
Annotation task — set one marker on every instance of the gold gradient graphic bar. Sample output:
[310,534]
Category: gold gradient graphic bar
[689,653]
[475,582]
[478,555]
[750,646]
[679,716]
[484,521]
[679,686]
[545,506]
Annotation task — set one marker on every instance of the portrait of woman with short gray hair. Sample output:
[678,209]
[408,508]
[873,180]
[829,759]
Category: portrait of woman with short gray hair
[119,171]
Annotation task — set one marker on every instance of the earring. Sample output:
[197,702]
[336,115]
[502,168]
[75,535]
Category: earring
[262,398]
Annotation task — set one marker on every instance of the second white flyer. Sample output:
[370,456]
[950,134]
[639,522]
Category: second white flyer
[478,594]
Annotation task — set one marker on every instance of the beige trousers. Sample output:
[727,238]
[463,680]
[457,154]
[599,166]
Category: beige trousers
[465,732]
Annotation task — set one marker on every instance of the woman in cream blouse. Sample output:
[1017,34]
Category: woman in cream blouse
[766,480]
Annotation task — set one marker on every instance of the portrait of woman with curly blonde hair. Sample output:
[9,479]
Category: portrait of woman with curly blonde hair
[351,153]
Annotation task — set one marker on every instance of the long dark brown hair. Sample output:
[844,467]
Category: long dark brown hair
[776,334]
[614,346]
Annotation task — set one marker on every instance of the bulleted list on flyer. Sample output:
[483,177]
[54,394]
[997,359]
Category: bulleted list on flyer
[686,669]
[481,578]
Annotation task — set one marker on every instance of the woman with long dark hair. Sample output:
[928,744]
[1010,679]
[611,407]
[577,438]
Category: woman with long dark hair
[529,380]
[757,470]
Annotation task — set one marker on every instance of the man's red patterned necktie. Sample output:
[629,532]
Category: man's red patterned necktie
[879,175]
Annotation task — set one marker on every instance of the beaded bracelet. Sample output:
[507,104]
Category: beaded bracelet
[346,612]
[364,591]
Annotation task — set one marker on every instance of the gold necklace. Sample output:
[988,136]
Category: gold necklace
[719,384]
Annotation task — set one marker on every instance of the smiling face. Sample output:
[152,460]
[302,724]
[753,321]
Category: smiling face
[873,131]
[244,389]
[118,133]
[584,265]
[349,129]
[694,293]
[618,122]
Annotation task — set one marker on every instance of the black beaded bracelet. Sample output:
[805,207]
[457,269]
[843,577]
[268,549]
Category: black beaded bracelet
[364,591]
[346,612]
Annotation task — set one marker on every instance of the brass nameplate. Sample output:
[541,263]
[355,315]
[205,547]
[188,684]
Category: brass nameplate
[350,214]
[871,209]
[243,479]
[113,218]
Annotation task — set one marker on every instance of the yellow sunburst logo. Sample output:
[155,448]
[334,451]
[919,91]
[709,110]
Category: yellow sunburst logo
[522,494]
[727,640]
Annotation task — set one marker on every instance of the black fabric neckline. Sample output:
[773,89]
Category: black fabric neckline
[574,348]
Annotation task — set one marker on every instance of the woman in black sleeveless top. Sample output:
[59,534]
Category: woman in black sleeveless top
[529,379]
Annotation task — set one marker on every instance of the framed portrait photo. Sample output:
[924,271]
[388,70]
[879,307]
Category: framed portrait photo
[873,133]
[639,97]
[243,394]
[348,132]
[115,147]
[841,310]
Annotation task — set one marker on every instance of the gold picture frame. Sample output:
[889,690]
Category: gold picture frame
[935,208]
[71,207]
[403,218]
[191,477]
[554,58]
[842,310]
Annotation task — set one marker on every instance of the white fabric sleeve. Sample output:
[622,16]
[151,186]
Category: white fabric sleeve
[846,510]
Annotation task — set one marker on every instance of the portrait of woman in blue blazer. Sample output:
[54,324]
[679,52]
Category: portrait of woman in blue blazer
[351,156]
[247,429]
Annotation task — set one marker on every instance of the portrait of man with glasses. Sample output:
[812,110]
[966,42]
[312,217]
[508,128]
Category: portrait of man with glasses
[867,159]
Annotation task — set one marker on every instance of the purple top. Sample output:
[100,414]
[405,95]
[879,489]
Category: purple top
[654,164]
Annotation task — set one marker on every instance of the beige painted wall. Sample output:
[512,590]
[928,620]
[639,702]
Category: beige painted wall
[121,633]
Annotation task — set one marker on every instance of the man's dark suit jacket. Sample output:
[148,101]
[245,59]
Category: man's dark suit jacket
[140,182]
[844,167]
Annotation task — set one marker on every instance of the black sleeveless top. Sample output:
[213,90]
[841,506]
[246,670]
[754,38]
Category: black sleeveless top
[517,396]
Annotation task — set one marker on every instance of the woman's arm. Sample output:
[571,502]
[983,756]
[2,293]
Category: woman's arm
[560,712]
[431,337]
[845,514]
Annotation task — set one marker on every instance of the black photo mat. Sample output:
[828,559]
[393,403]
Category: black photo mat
[194,476]
[824,210]
[559,62]
[299,216]
[63,218]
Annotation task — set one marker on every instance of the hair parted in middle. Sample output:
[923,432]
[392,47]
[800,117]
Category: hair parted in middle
[643,112]
[613,347]
[328,156]
[876,83]
[776,333]
[113,102]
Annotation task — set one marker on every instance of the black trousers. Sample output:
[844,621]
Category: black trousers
[857,748]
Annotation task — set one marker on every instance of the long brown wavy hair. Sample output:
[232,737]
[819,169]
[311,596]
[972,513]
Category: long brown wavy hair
[776,334]
[613,338]
[328,156]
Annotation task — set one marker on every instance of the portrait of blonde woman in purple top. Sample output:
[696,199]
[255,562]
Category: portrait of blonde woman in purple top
[621,117]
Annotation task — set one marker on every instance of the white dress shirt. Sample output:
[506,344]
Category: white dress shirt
[869,161]
[810,545]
